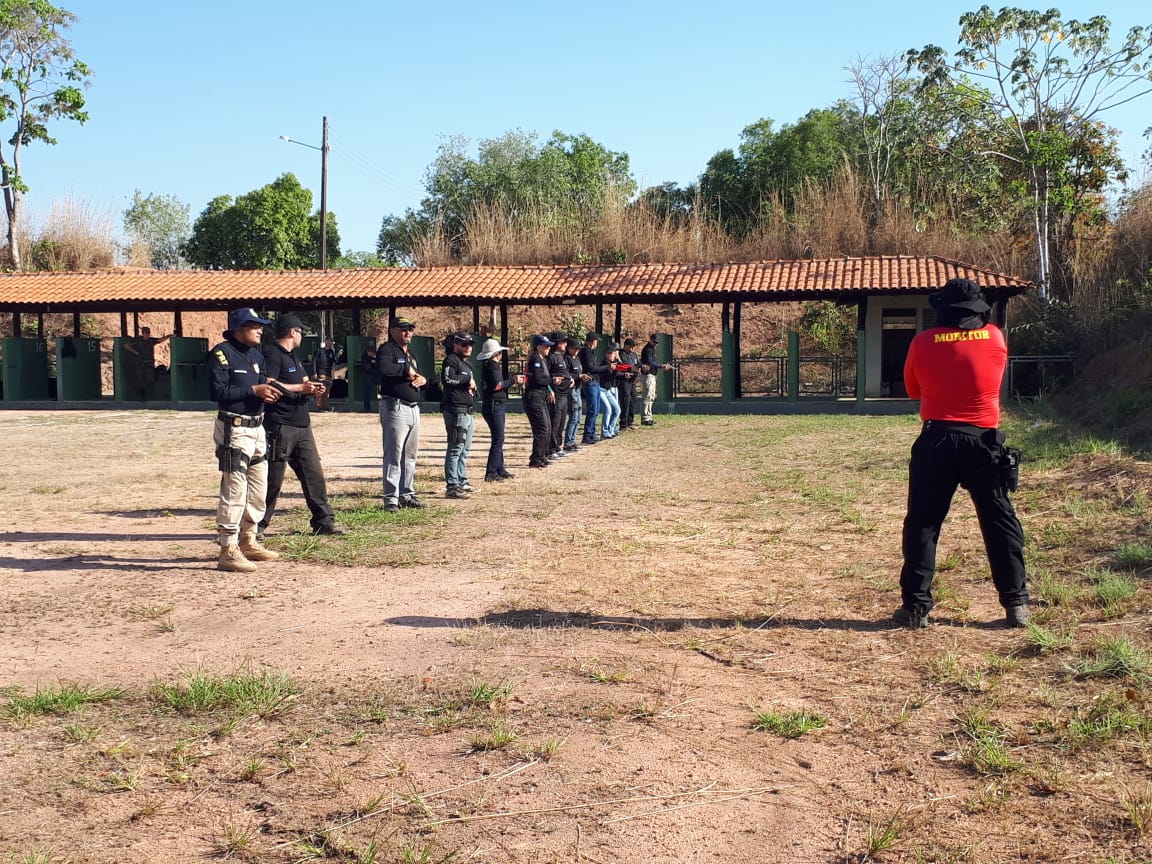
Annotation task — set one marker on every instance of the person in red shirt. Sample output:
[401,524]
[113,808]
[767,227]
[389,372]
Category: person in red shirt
[955,369]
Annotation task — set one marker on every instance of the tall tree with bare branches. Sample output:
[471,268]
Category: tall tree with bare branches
[1043,83]
[40,81]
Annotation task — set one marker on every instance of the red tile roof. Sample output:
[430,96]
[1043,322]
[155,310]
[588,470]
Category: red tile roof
[832,278]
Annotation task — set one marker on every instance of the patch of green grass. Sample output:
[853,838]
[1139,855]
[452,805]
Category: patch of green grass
[1050,640]
[1055,591]
[65,699]
[1113,590]
[483,695]
[37,857]
[1115,658]
[1134,555]
[984,747]
[948,671]
[496,737]
[264,693]
[374,537]
[789,724]
[883,836]
[1106,717]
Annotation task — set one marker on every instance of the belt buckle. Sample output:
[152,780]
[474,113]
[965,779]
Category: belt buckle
[236,421]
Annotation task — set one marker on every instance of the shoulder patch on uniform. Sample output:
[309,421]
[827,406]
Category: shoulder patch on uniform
[221,357]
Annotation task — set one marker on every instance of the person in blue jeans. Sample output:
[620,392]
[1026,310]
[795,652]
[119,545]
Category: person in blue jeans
[459,397]
[494,406]
[575,401]
[590,392]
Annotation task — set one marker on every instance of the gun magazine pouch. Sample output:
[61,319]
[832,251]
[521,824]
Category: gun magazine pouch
[231,459]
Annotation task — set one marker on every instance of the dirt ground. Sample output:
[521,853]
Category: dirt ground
[566,668]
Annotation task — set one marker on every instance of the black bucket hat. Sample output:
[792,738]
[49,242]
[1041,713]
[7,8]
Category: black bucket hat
[959,294]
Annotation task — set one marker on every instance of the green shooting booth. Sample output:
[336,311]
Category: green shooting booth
[189,371]
[78,369]
[25,370]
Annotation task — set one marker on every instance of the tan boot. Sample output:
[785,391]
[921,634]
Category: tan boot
[232,560]
[254,550]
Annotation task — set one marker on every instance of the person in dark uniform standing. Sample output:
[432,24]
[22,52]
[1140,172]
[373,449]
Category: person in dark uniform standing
[955,369]
[561,376]
[649,367]
[538,399]
[400,386]
[323,369]
[236,382]
[494,407]
[575,401]
[459,387]
[288,426]
[627,385]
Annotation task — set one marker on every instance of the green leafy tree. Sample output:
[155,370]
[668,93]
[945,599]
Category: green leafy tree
[162,225]
[270,228]
[569,177]
[1041,83]
[40,82]
[774,164]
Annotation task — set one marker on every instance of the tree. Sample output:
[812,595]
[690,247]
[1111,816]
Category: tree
[270,228]
[568,178]
[40,81]
[1045,82]
[160,224]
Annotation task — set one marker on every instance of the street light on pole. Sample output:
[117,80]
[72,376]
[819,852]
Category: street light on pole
[323,148]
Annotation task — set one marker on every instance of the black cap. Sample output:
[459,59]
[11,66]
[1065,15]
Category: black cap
[959,294]
[402,322]
[558,337]
[655,337]
[590,337]
[286,323]
[629,342]
[461,338]
[611,346]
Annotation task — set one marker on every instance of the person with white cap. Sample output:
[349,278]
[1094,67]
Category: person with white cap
[238,385]
[494,406]
[955,369]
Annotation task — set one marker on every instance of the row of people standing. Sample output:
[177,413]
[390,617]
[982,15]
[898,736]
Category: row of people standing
[567,382]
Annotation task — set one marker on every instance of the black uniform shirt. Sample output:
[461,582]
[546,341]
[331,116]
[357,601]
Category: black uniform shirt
[591,364]
[558,368]
[495,384]
[289,409]
[456,378]
[393,363]
[536,370]
[233,369]
[324,361]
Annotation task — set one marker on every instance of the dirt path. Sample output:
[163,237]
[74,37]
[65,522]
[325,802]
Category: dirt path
[635,606]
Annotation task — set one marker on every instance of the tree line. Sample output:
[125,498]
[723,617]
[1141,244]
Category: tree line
[998,153]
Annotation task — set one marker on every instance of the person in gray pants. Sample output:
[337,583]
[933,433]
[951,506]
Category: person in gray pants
[400,385]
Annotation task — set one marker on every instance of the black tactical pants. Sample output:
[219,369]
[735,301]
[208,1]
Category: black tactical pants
[946,456]
[559,419]
[297,448]
[540,419]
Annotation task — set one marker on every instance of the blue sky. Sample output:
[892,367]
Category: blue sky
[189,99]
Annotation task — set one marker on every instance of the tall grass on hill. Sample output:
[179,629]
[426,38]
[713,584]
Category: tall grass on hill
[76,236]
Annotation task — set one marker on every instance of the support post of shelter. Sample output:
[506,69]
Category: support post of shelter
[123,323]
[39,325]
[737,310]
[135,323]
[17,325]
[476,320]
[600,319]
[357,323]
[617,330]
[76,324]
[861,350]
[729,360]
[793,366]
[178,323]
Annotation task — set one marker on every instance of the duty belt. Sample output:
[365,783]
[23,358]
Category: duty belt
[953,426]
[248,420]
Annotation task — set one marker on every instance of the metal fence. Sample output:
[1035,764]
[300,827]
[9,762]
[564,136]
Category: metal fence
[1038,375]
[833,377]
